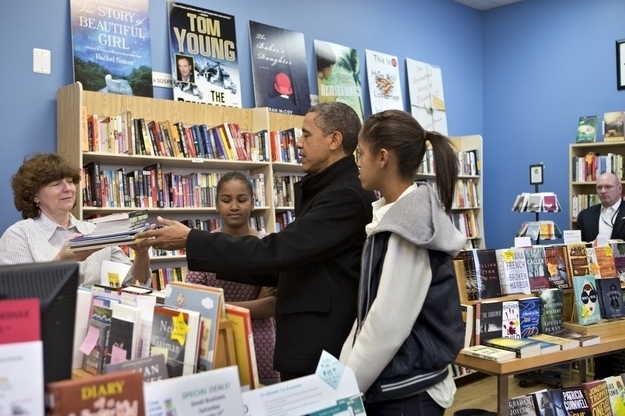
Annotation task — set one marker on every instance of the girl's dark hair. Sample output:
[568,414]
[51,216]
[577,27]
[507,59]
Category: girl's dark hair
[38,170]
[398,132]
[235,176]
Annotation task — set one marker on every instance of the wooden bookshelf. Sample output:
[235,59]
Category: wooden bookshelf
[70,118]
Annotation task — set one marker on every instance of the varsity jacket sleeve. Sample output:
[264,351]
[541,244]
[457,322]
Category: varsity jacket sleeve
[406,277]
[318,234]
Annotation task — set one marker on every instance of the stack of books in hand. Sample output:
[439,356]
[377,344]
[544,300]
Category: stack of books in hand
[114,229]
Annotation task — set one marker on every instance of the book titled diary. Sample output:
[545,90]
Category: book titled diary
[114,393]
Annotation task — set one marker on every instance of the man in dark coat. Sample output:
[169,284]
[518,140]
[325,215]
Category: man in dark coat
[317,256]
[608,217]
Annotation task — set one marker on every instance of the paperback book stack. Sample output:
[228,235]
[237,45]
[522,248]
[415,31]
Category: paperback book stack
[114,229]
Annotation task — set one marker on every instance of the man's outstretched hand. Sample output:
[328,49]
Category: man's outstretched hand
[171,236]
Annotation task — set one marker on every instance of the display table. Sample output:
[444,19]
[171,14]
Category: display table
[507,368]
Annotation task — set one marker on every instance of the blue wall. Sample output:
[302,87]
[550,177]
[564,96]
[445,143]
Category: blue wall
[546,63]
[520,75]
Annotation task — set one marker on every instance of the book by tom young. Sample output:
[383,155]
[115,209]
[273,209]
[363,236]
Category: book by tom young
[204,56]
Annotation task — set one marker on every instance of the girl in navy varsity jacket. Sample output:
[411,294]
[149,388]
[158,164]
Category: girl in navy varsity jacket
[409,326]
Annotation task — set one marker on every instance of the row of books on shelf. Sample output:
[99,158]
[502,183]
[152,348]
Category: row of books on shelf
[466,195]
[123,134]
[612,127]
[466,223]
[580,202]
[468,163]
[491,273]
[153,187]
[508,322]
[283,219]
[604,397]
[284,192]
[536,202]
[589,167]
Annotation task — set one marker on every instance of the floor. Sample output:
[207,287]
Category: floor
[482,394]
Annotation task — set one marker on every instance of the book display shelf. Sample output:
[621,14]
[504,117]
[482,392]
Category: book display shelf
[466,212]
[586,162]
[612,339]
[74,105]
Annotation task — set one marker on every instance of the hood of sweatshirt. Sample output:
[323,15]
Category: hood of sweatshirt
[419,218]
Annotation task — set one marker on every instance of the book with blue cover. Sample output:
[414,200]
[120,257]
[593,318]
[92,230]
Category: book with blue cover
[529,316]
[206,300]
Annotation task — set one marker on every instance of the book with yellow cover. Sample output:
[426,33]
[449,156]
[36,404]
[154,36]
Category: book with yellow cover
[243,345]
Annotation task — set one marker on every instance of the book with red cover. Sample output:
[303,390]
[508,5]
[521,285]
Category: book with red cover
[20,320]
[115,393]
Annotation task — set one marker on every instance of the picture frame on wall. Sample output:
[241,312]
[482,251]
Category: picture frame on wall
[620,64]
[536,174]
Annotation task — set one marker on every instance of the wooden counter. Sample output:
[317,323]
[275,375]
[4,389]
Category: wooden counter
[521,365]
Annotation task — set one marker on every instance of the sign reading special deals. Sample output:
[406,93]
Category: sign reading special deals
[111,46]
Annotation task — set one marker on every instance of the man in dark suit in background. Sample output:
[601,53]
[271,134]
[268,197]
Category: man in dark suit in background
[317,256]
[608,218]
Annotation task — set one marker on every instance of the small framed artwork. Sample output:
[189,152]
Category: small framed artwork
[536,174]
[620,64]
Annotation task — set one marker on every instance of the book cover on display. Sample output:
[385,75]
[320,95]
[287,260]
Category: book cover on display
[279,69]
[427,100]
[204,56]
[383,78]
[338,75]
[111,46]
